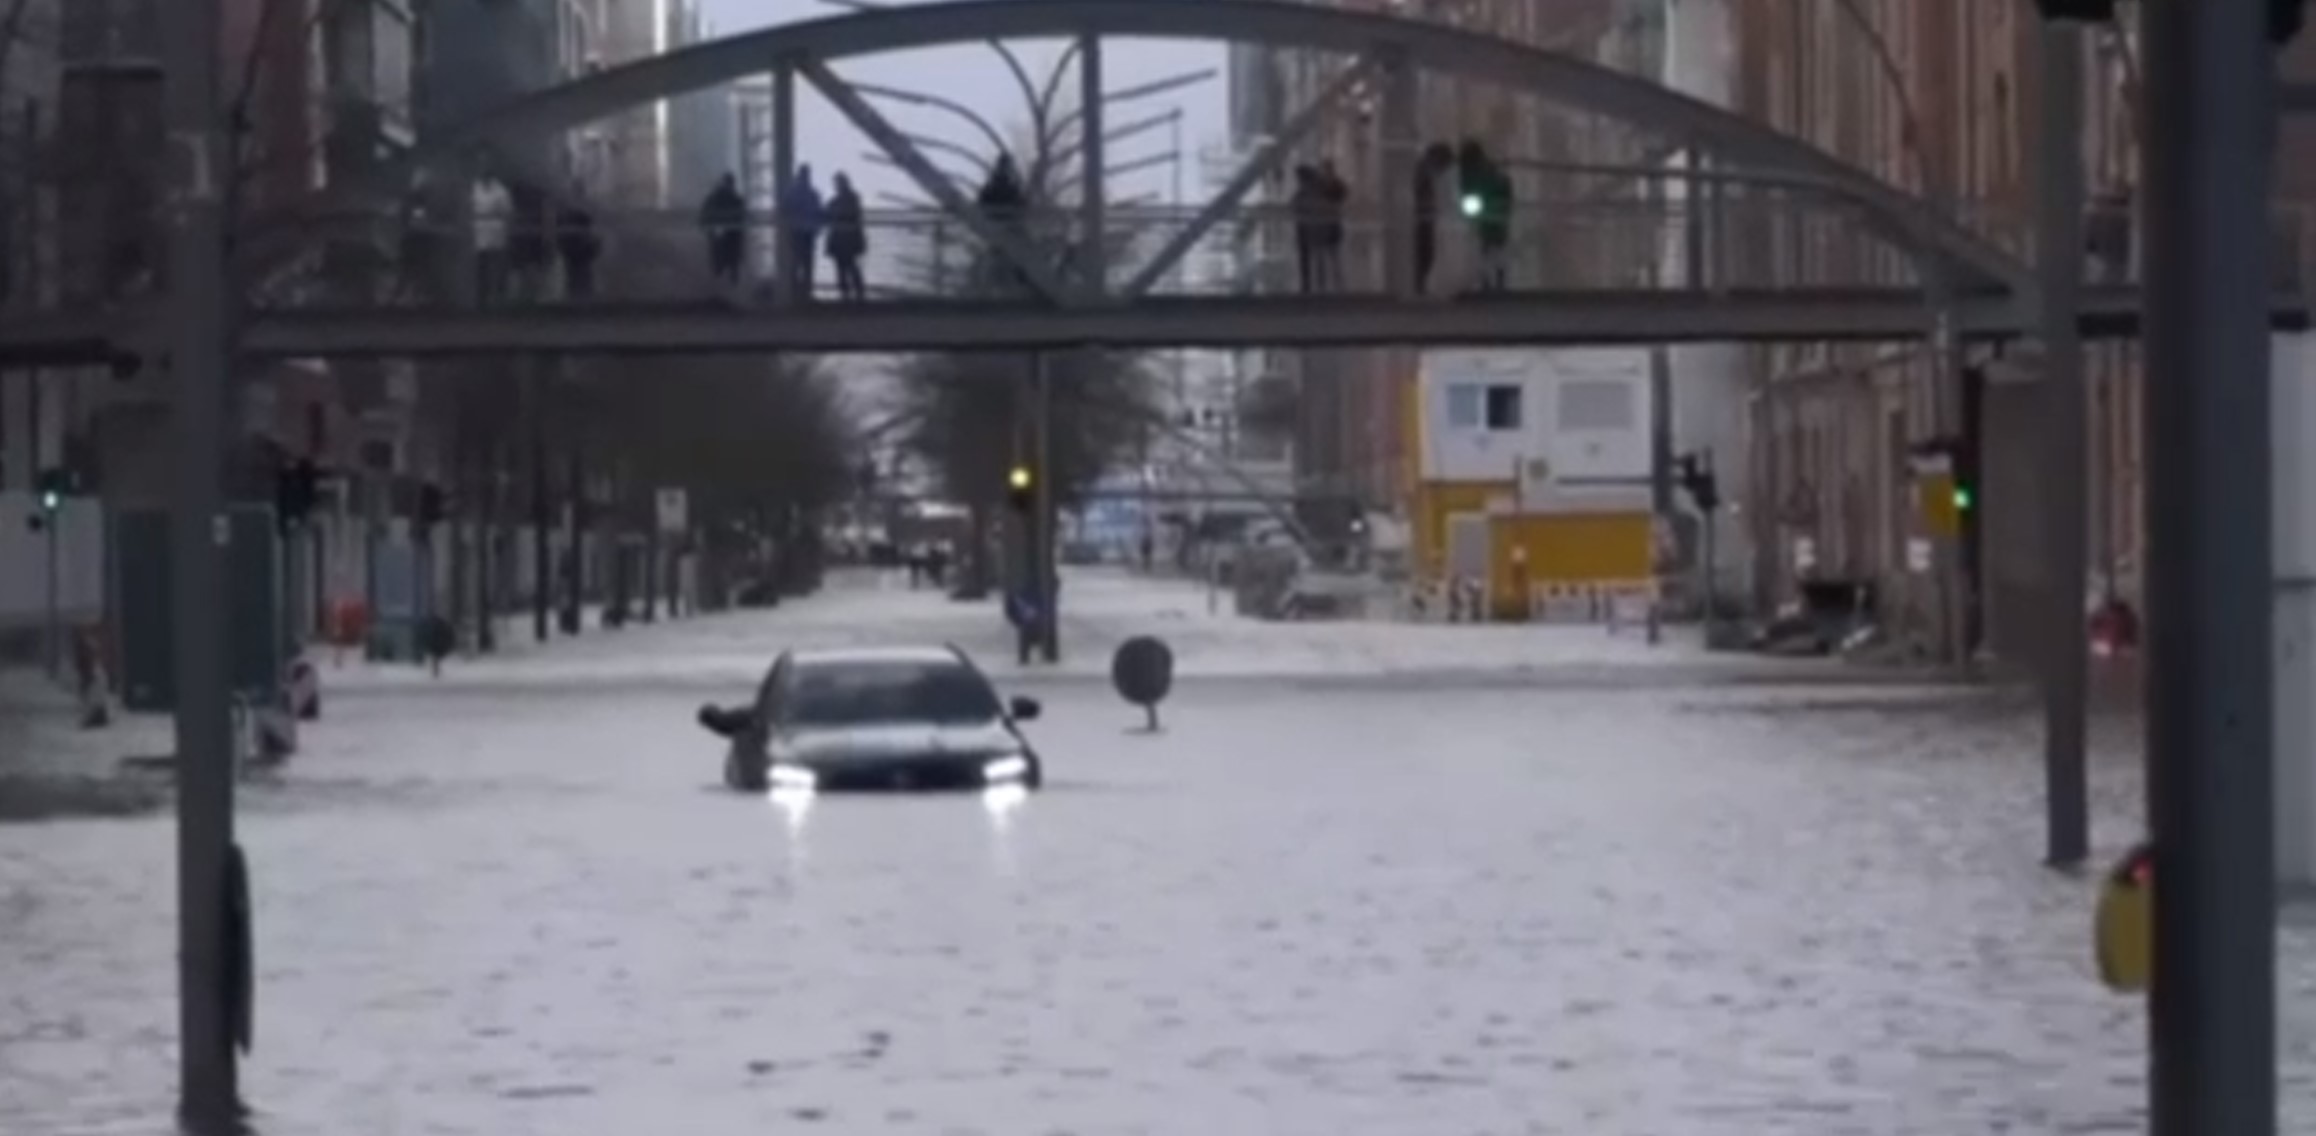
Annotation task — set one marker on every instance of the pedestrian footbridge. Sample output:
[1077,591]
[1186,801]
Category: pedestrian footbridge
[1754,236]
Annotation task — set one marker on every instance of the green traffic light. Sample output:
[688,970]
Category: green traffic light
[1472,205]
[50,501]
[1963,498]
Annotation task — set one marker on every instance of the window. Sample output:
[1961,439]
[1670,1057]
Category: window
[1598,404]
[849,694]
[1503,406]
[1464,405]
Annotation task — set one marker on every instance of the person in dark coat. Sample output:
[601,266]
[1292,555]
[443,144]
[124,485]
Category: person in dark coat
[1005,202]
[1334,205]
[847,239]
[1309,207]
[577,242]
[441,641]
[1437,160]
[724,220]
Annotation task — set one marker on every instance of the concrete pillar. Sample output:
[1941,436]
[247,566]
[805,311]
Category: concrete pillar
[2293,425]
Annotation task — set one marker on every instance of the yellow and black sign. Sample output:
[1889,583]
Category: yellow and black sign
[1941,503]
[2125,925]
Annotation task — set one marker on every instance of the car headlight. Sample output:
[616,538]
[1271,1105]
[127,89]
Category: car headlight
[793,777]
[1012,768]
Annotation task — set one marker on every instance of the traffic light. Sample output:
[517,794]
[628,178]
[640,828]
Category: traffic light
[296,489]
[54,486]
[1695,474]
[433,506]
[1484,187]
[1021,489]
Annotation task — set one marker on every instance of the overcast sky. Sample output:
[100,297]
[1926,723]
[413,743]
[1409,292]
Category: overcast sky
[973,74]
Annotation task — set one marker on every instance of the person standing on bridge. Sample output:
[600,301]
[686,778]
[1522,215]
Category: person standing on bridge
[847,240]
[724,218]
[1309,206]
[1334,202]
[801,219]
[577,243]
[1006,204]
[492,209]
[1437,160]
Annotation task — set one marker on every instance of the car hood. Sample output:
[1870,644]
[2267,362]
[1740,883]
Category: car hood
[893,742]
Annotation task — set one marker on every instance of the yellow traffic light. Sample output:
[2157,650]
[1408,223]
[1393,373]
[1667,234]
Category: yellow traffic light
[1019,478]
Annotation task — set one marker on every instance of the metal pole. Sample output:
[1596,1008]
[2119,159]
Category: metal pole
[2065,447]
[542,572]
[1094,253]
[2212,1005]
[1043,559]
[1946,391]
[784,248]
[55,634]
[199,373]
[1401,154]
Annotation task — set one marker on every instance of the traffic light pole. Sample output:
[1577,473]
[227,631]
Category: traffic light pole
[2210,87]
[2066,447]
[1042,548]
[53,520]
[198,366]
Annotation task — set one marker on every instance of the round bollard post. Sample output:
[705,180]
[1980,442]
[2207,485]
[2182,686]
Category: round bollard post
[1143,673]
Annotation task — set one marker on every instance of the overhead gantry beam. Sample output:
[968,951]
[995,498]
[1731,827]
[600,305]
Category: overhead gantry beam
[1436,48]
[1590,318]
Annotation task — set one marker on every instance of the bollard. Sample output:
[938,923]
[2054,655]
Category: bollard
[1142,672]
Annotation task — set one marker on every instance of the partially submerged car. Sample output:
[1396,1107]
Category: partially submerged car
[876,718]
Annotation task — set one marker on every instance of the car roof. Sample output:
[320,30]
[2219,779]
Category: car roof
[875,656]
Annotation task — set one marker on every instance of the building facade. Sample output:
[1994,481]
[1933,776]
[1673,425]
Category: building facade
[1352,436]
[1941,100]
[703,135]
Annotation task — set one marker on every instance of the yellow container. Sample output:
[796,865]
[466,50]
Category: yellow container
[2124,928]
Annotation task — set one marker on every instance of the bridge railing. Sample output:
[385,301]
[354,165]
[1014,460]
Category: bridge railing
[1755,241]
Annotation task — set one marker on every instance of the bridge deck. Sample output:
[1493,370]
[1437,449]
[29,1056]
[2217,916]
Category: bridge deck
[1592,317]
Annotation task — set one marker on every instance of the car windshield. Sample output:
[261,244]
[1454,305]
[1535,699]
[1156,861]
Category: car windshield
[851,694]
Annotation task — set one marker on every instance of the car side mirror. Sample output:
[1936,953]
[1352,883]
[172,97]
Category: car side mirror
[718,721]
[1025,709]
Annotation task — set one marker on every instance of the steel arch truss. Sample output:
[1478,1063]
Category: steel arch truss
[1947,250]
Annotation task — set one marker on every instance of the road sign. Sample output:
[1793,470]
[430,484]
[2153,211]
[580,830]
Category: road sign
[674,511]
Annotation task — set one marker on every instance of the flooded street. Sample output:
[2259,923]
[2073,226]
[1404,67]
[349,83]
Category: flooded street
[1307,907]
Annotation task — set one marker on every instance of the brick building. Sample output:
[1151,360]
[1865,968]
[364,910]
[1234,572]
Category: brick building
[1941,99]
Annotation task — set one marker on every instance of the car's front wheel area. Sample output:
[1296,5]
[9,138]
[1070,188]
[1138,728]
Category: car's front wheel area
[743,775]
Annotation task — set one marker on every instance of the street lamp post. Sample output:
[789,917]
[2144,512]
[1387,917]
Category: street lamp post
[198,364]
[2206,166]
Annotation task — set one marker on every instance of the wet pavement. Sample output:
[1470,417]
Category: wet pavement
[1306,907]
